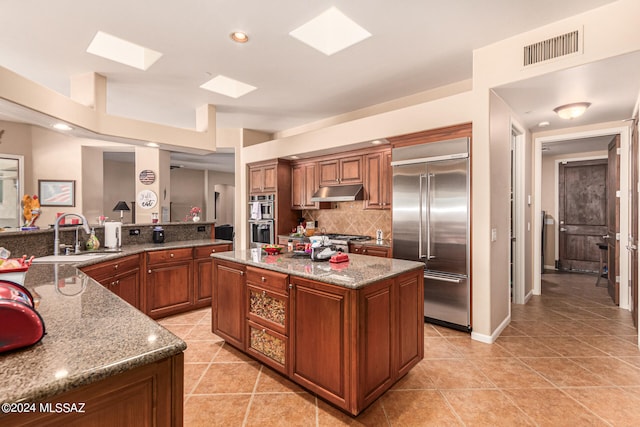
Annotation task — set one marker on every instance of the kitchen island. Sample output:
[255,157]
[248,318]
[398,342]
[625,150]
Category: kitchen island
[345,331]
[101,362]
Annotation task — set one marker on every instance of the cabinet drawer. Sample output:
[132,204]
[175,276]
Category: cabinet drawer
[206,251]
[268,346]
[268,308]
[108,269]
[182,254]
[268,279]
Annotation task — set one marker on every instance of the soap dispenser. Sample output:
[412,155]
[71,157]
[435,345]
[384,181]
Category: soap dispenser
[92,242]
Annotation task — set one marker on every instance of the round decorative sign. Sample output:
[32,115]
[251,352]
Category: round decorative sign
[147,199]
[147,177]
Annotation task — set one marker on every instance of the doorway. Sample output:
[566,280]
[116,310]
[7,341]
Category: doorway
[624,134]
[519,294]
[11,190]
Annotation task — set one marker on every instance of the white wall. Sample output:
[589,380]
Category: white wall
[187,189]
[118,184]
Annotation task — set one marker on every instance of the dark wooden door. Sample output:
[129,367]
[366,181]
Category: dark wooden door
[633,240]
[613,219]
[582,214]
[227,304]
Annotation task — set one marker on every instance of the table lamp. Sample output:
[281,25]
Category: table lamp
[121,206]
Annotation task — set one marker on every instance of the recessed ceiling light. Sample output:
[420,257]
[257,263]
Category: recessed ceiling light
[122,51]
[572,111]
[239,37]
[62,126]
[152,145]
[543,124]
[330,32]
[228,87]
[294,157]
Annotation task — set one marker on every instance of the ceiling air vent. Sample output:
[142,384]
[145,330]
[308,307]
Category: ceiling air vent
[554,47]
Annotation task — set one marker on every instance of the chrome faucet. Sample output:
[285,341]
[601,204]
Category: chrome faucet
[56,231]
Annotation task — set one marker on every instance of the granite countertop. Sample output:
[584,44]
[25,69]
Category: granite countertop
[358,272]
[91,333]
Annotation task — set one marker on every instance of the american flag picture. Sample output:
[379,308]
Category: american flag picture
[56,193]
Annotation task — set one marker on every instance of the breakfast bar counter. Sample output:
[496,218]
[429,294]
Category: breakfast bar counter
[345,331]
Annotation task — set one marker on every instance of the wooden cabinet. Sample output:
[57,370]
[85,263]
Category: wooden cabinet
[203,272]
[267,308]
[377,180]
[373,250]
[121,276]
[347,170]
[169,282]
[304,183]
[263,178]
[320,336]
[228,302]
[151,395]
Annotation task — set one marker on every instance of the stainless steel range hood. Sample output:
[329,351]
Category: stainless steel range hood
[338,193]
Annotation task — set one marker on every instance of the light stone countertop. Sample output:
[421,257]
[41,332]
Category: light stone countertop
[358,272]
[91,333]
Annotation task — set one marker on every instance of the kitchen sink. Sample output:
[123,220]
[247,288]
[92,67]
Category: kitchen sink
[73,258]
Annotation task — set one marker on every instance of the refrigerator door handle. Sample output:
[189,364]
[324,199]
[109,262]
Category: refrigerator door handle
[429,255]
[443,278]
[421,215]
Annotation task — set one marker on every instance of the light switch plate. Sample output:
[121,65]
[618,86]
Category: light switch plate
[494,234]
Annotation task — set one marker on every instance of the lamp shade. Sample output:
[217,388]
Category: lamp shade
[121,206]
[572,111]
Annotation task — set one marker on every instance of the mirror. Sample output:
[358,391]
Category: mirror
[11,189]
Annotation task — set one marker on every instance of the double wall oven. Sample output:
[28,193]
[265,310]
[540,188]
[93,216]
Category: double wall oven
[261,219]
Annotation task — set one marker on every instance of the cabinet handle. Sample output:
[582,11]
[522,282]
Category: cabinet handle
[242,273]
[149,271]
[213,251]
[117,282]
[290,286]
[115,267]
[263,279]
[264,331]
[171,255]
[264,293]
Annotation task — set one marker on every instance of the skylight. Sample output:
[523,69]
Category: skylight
[228,87]
[122,51]
[330,32]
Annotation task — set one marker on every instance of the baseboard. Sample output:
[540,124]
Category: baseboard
[528,296]
[490,339]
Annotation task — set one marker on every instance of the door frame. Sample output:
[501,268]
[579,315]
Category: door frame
[625,135]
[520,296]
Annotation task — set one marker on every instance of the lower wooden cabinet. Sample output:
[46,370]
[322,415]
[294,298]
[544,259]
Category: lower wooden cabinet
[346,345]
[203,272]
[228,317]
[151,395]
[121,277]
[372,250]
[169,282]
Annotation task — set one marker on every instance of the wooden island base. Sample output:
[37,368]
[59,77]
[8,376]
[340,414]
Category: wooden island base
[347,344]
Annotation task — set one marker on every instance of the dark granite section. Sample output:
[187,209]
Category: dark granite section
[40,242]
[91,335]
[359,271]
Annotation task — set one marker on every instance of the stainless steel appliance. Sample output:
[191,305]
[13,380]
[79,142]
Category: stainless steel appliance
[261,232]
[431,224]
[341,241]
[261,206]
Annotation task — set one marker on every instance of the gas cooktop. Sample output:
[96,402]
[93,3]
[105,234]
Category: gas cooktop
[347,237]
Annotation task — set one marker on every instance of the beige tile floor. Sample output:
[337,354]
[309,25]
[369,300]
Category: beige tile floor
[569,357]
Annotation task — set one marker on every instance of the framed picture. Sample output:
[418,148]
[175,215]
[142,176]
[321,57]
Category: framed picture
[56,193]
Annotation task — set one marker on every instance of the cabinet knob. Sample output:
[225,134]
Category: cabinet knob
[171,255]
[290,286]
[263,279]
[242,273]
[264,331]
[213,251]
[149,271]
[264,293]
[118,282]
[115,267]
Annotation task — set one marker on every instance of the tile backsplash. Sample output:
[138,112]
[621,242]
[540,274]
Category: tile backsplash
[352,218]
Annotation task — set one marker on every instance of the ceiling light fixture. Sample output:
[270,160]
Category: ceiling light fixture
[572,111]
[543,124]
[239,37]
[62,126]
[152,145]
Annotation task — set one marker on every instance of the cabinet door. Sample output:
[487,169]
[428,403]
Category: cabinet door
[320,325]
[203,279]
[127,286]
[386,180]
[377,180]
[329,172]
[310,186]
[297,187]
[270,176]
[375,251]
[355,249]
[256,180]
[351,170]
[410,342]
[268,346]
[227,305]
[169,288]
[268,308]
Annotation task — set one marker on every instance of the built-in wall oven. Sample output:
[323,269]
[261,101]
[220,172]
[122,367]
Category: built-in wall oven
[261,206]
[262,232]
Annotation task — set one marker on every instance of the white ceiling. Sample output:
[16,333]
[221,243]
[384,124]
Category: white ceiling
[421,45]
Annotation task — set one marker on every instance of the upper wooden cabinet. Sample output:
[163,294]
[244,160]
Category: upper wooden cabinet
[377,180]
[347,170]
[304,184]
[263,178]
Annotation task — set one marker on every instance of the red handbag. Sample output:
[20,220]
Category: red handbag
[20,324]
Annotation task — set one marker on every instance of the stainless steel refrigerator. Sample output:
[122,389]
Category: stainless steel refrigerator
[431,224]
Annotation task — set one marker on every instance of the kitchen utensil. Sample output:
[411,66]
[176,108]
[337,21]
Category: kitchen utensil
[158,234]
[22,325]
[339,257]
[272,249]
[112,235]
[322,253]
